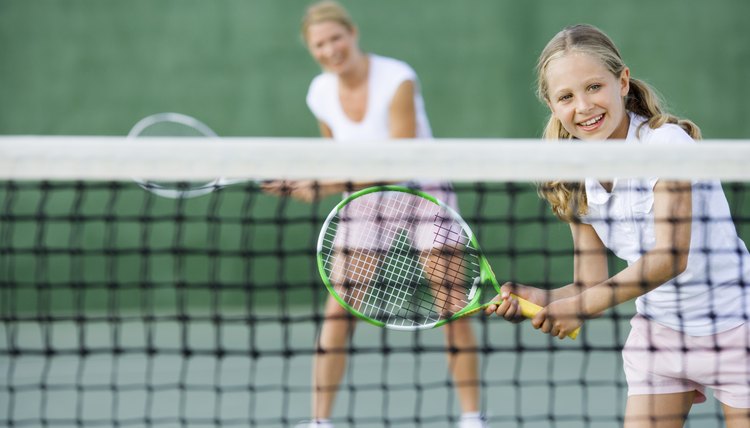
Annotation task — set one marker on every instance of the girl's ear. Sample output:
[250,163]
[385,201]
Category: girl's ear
[625,82]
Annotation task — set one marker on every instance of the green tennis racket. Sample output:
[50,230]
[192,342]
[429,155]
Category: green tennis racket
[399,258]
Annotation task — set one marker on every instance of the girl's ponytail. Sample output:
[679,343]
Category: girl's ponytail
[643,100]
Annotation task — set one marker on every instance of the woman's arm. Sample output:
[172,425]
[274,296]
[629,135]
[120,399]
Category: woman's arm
[402,123]
[306,190]
[402,114]
[325,130]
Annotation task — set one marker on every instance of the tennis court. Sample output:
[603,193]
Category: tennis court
[537,387]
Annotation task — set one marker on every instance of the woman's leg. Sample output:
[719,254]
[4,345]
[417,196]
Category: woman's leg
[463,363]
[447,276]
[329,362]
[350,275]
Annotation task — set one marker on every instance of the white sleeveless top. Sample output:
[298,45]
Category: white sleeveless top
[385,76]
[709,296]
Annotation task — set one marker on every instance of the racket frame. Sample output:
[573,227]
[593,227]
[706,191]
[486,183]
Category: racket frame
[486,274]
[172,192]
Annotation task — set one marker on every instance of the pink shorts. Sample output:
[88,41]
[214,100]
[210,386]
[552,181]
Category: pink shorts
[374,221]
[659,360]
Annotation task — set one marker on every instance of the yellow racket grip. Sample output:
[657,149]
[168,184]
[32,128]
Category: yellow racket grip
[529,309]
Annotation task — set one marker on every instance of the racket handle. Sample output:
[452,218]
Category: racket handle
[529,309]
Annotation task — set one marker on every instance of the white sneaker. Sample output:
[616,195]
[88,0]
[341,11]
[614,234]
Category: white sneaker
[473,420]
[319,423]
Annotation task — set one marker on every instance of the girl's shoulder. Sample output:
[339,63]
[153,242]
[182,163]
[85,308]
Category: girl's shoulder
[669,133]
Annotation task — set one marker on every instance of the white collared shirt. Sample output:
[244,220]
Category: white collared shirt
[708,297]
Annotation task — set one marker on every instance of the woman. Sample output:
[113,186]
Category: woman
[359,97]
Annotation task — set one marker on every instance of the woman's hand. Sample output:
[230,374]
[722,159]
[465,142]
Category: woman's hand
[302,190]
[277,187]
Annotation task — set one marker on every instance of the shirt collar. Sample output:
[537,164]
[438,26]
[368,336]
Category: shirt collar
[595,192]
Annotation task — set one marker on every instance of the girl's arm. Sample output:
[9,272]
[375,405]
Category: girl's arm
[589,269]
[667,259]
[589,262]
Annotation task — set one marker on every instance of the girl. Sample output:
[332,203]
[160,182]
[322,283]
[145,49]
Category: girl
[686,265]
[363,96]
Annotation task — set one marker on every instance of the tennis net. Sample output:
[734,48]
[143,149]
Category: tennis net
[121,307]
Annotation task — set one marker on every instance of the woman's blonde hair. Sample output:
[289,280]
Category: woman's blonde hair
[325,11]
[568,199]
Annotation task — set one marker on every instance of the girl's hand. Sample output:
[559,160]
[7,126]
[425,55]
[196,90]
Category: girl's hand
[560,317]
[509,308]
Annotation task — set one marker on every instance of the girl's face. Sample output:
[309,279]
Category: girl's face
[332,45]
[587,98]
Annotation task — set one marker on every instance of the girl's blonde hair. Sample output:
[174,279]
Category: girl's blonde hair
[567,199]
[325,11]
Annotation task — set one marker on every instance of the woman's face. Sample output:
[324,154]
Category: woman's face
[587,98]
[332,45]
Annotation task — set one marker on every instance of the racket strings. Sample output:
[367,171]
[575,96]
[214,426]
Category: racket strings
[397,258]
[455,263]
[395,287]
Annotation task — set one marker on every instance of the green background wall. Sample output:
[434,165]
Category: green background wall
[95,67]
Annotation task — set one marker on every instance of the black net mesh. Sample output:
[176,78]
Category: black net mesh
[122,308]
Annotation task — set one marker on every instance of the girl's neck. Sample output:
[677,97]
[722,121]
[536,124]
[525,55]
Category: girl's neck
[621,132]
[357,74]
